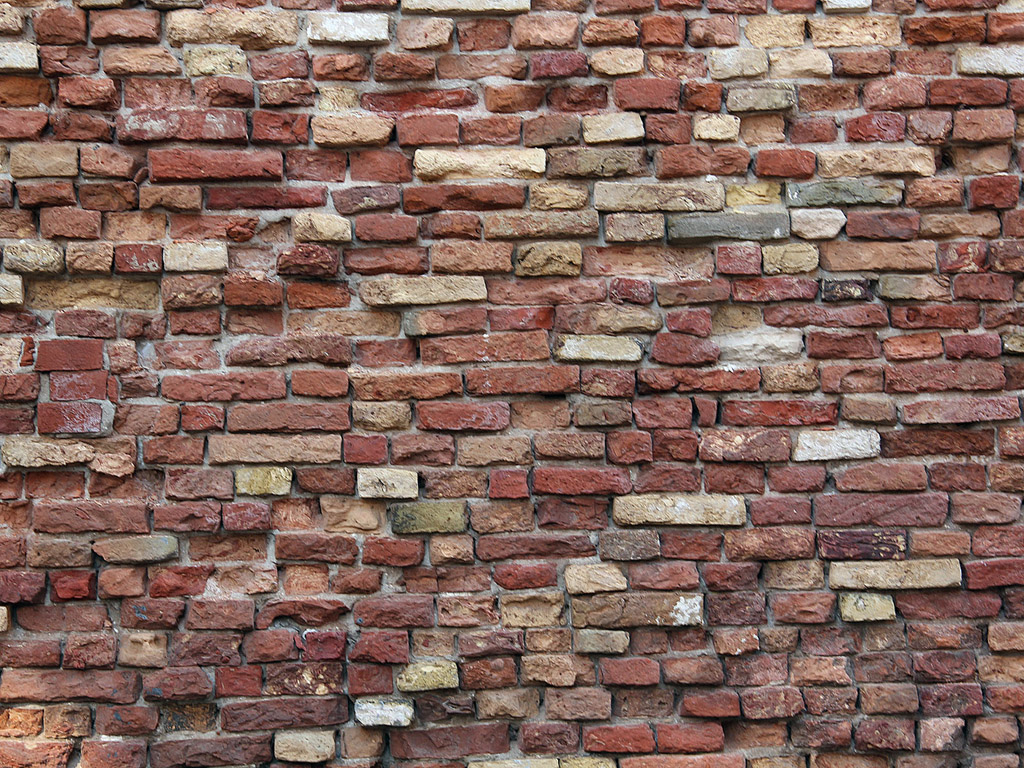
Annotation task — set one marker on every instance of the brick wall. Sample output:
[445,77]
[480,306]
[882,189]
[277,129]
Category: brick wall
[590,385]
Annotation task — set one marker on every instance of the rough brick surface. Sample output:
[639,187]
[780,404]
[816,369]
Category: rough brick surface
[511,384]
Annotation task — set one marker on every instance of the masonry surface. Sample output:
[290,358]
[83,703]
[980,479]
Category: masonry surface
[444,383]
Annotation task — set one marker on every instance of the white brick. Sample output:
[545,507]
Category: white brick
[836,444]
[466,6]
[381,483]
[314,227]
[12,289]
[598,348]
[679,509]
[617,126]
[377,712]
[348,28]
[1001,60]
[866,606]
[437,164]
[895,574]
[196,257]
[304,746]
[33,257]
[19,57]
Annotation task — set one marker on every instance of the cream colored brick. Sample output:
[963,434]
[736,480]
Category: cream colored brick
[785,30]
[866,606]
[383,483]
[428,676]
[304,746]
[615,62]
[590,578]
[914,287]
[679,509]
[539,609]
[354,130]
[12,290]
[274,449]
[251,29]
[19,57]
[92,293]
[350,515]
[558,195]
[207,60]
[351,28]
[661,196]
[791,258]
[142,649]
[315,227]
[597,347]
[34,258]
[802,63]
[195,257]
[466,6]
[336,98]
[837,163]
[895,574]
[394,291]
[756,193]
[708,127]
[425,34]
[634,227]
[263,481]
[836,444]
[851,31]
[549,259]
[612,127]
[438,164]
[57,158]
[5,618]
[731,63]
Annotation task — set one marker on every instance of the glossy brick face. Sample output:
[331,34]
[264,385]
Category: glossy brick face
[466,384]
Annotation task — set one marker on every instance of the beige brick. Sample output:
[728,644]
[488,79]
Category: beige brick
[251,29]
[56,158]
[849,256]
[911,161]
[595,348]
[661,196]
[850,31]
[615,62]
[866,606]
[776,31]
[540,609]
[304,746]
[428,676]
[352,515]
[383,483]
[397,291]
[263,481]
[315,227]
[353,130]
[211,60]
[34,258]
[791,258]
[549,259]
[708,127]
[195,257]
[438,164]
[590,578]
[679,509]
[612,127]
[276,449]
[895,574]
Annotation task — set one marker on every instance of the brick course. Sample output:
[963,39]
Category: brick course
[511,384]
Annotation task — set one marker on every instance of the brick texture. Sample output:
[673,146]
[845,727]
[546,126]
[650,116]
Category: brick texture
[511,384]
